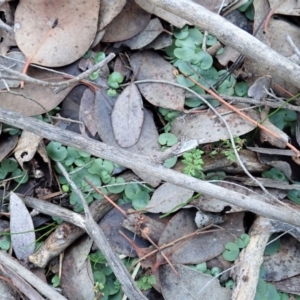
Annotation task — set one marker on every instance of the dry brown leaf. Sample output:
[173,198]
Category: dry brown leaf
[7,144]
[128,116]
[27,147]
[188,284]
[145,37]
[148,64]
[285,7]
[168,197]
[128,23]
[207,128]
[109,9]
[21,229]
[53,29]
[33,99]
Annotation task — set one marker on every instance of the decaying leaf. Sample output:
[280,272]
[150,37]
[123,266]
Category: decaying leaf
[260,87]
[189,283]
[108,11]
[7,144]
[128,23]
[34,99]
[27,147]
[87,111]
[148,64]
[128,116]
[21,229]
[168,198]
[77,278]
[208,128]
[53,27]
[147,143]
[144,38]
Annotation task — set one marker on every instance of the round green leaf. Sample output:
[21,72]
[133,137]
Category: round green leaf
[9,165]
[185,43]
[112,93]
[184,67]
[215,271]
[140,200]
[98,165]
[181,33]
[23,176]
[192,102]
[99,277]
[294,195]
[94,75]
[241,89]
[211,40]
[201,267]
[232,252]
[184,81]
[196,35]
[168,139]
[115,77]
[184,53]
[274,174]
[208,77]
[206,60]
[132,189]
[56,151]
[3,173]
[116,185]
[170,162]
[99,57]
[243,240]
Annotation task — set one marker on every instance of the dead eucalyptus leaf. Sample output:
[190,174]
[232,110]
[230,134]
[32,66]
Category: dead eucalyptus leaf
[12,60]
[128,23]
[87,111]
[109,9]
[168,197]
[145,37]
[27,147]
[128,116]
[33,99]
[148,64]
[147,143]
[188,284]
[52,28]
[208,128]
[21,229]
[7,144]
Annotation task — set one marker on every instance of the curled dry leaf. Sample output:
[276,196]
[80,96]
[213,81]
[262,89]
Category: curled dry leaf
[128,116]
[259,88]
[168,197]
[21,229]
[53,27]
[128,23]
[27,147]
[148,64]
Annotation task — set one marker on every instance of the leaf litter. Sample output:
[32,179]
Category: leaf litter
[132,120]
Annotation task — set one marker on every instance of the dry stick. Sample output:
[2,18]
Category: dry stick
[211,92]
[65,83]
[35,281]
[233,36]
[95,232]
[145,164]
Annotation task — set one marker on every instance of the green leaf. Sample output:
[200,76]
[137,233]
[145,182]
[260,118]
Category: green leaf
[243,240]
[140,200]
[99,165]
[56,151]
[184,53]
[294,195]
[170,162]
[201,267]
[241,89]
[273,247]
[184,67]
[185,43]
[9,165]
[209,77]
[168,139]
[99,277]
[196,35]
[232,252]
[23,176]
[186,82]
[245,6]
[192,102]
[181,33]
[99,57]
[55,281]
[5,242]
[116,185]
[274,174]
[211,40]
[111,93]
[206,60]
[94,75]
[3,174]
[215,271]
